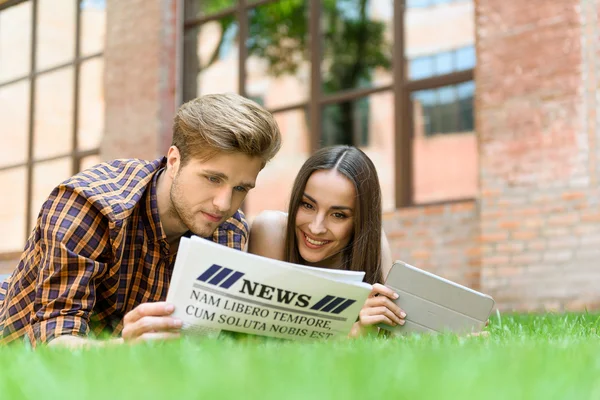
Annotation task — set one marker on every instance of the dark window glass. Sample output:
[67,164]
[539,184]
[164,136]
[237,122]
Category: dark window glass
[448,109]
[357,51]
[346,123]
[278,63]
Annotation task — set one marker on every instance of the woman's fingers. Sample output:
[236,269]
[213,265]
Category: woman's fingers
[380,308]
[382,301]
[376,319]
[374,311]
[380,290]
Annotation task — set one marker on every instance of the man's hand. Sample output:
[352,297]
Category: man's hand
[379,308]
[151,321]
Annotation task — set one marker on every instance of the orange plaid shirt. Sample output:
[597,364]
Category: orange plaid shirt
[98,250]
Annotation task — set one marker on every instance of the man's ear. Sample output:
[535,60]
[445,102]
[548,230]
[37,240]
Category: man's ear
[173,161]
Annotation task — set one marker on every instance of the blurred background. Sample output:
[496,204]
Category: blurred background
[480,115]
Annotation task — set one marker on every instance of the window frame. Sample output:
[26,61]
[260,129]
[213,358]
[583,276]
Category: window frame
[401,87]
[76,62]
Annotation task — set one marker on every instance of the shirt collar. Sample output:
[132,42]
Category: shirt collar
[154,227]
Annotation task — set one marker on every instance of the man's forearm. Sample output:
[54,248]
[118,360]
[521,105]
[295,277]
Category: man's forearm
[75,342]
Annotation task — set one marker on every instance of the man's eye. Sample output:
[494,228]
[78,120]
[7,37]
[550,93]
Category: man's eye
[240,189]
[213,179]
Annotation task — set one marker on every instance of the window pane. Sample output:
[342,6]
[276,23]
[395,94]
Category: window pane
[421,67]
[275,181]
[91,104]
[198,8]
[89,161]
[417,3]
[346,123]
[12,209]
[465,58]
[93,26]
[367,123]
[444,165]
[445,32]
[448,107]
[55,33]
[277,68]
[466,94]
[357,44]
[53,130]
[211,56]
[15,41]
[443,63]
[424,106]
[46,176]
[14,122]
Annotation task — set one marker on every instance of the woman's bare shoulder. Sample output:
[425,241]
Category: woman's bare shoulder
[272,217]
[267,234]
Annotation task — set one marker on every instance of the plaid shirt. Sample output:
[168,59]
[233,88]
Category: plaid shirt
[98,250]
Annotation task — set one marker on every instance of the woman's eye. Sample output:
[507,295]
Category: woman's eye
[339,215]
[307,205]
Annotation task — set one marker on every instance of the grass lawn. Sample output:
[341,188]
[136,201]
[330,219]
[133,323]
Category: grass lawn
[524,357]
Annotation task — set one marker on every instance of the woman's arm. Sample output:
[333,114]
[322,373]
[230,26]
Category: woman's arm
[267,235]
[380,306]
[386,256]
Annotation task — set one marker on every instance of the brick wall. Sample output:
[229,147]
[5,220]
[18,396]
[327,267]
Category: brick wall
[140,77]
[540,220]
[442,239]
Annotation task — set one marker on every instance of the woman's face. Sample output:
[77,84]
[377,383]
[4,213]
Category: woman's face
[325,218]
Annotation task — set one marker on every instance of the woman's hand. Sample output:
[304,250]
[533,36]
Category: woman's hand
[379,308]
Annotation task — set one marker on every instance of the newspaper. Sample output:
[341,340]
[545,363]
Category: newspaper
[216,288]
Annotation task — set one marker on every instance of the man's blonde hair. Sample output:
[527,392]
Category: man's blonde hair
[225,123]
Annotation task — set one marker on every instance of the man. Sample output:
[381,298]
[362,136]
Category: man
[101,255]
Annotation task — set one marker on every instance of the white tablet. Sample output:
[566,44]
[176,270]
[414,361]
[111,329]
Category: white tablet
[434,304]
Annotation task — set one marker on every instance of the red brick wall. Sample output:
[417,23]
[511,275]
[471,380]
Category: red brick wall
[442,239]
[540,221]
[140,77]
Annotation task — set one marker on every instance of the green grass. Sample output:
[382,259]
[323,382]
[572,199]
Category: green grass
[524,357]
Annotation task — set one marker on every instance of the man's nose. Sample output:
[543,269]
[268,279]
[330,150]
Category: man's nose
[222,201]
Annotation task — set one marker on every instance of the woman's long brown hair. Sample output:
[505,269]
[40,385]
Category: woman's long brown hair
[363,252]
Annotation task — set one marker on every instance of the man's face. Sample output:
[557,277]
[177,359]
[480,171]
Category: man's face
[206,193]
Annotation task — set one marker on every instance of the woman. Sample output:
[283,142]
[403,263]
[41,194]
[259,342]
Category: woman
[334,221]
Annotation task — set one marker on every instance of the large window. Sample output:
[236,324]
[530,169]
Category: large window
[355,72]
[439,49]
[51,103]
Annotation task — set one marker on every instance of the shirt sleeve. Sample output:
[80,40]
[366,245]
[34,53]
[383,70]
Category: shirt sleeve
[4,288]
[233,232]
[73,236]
